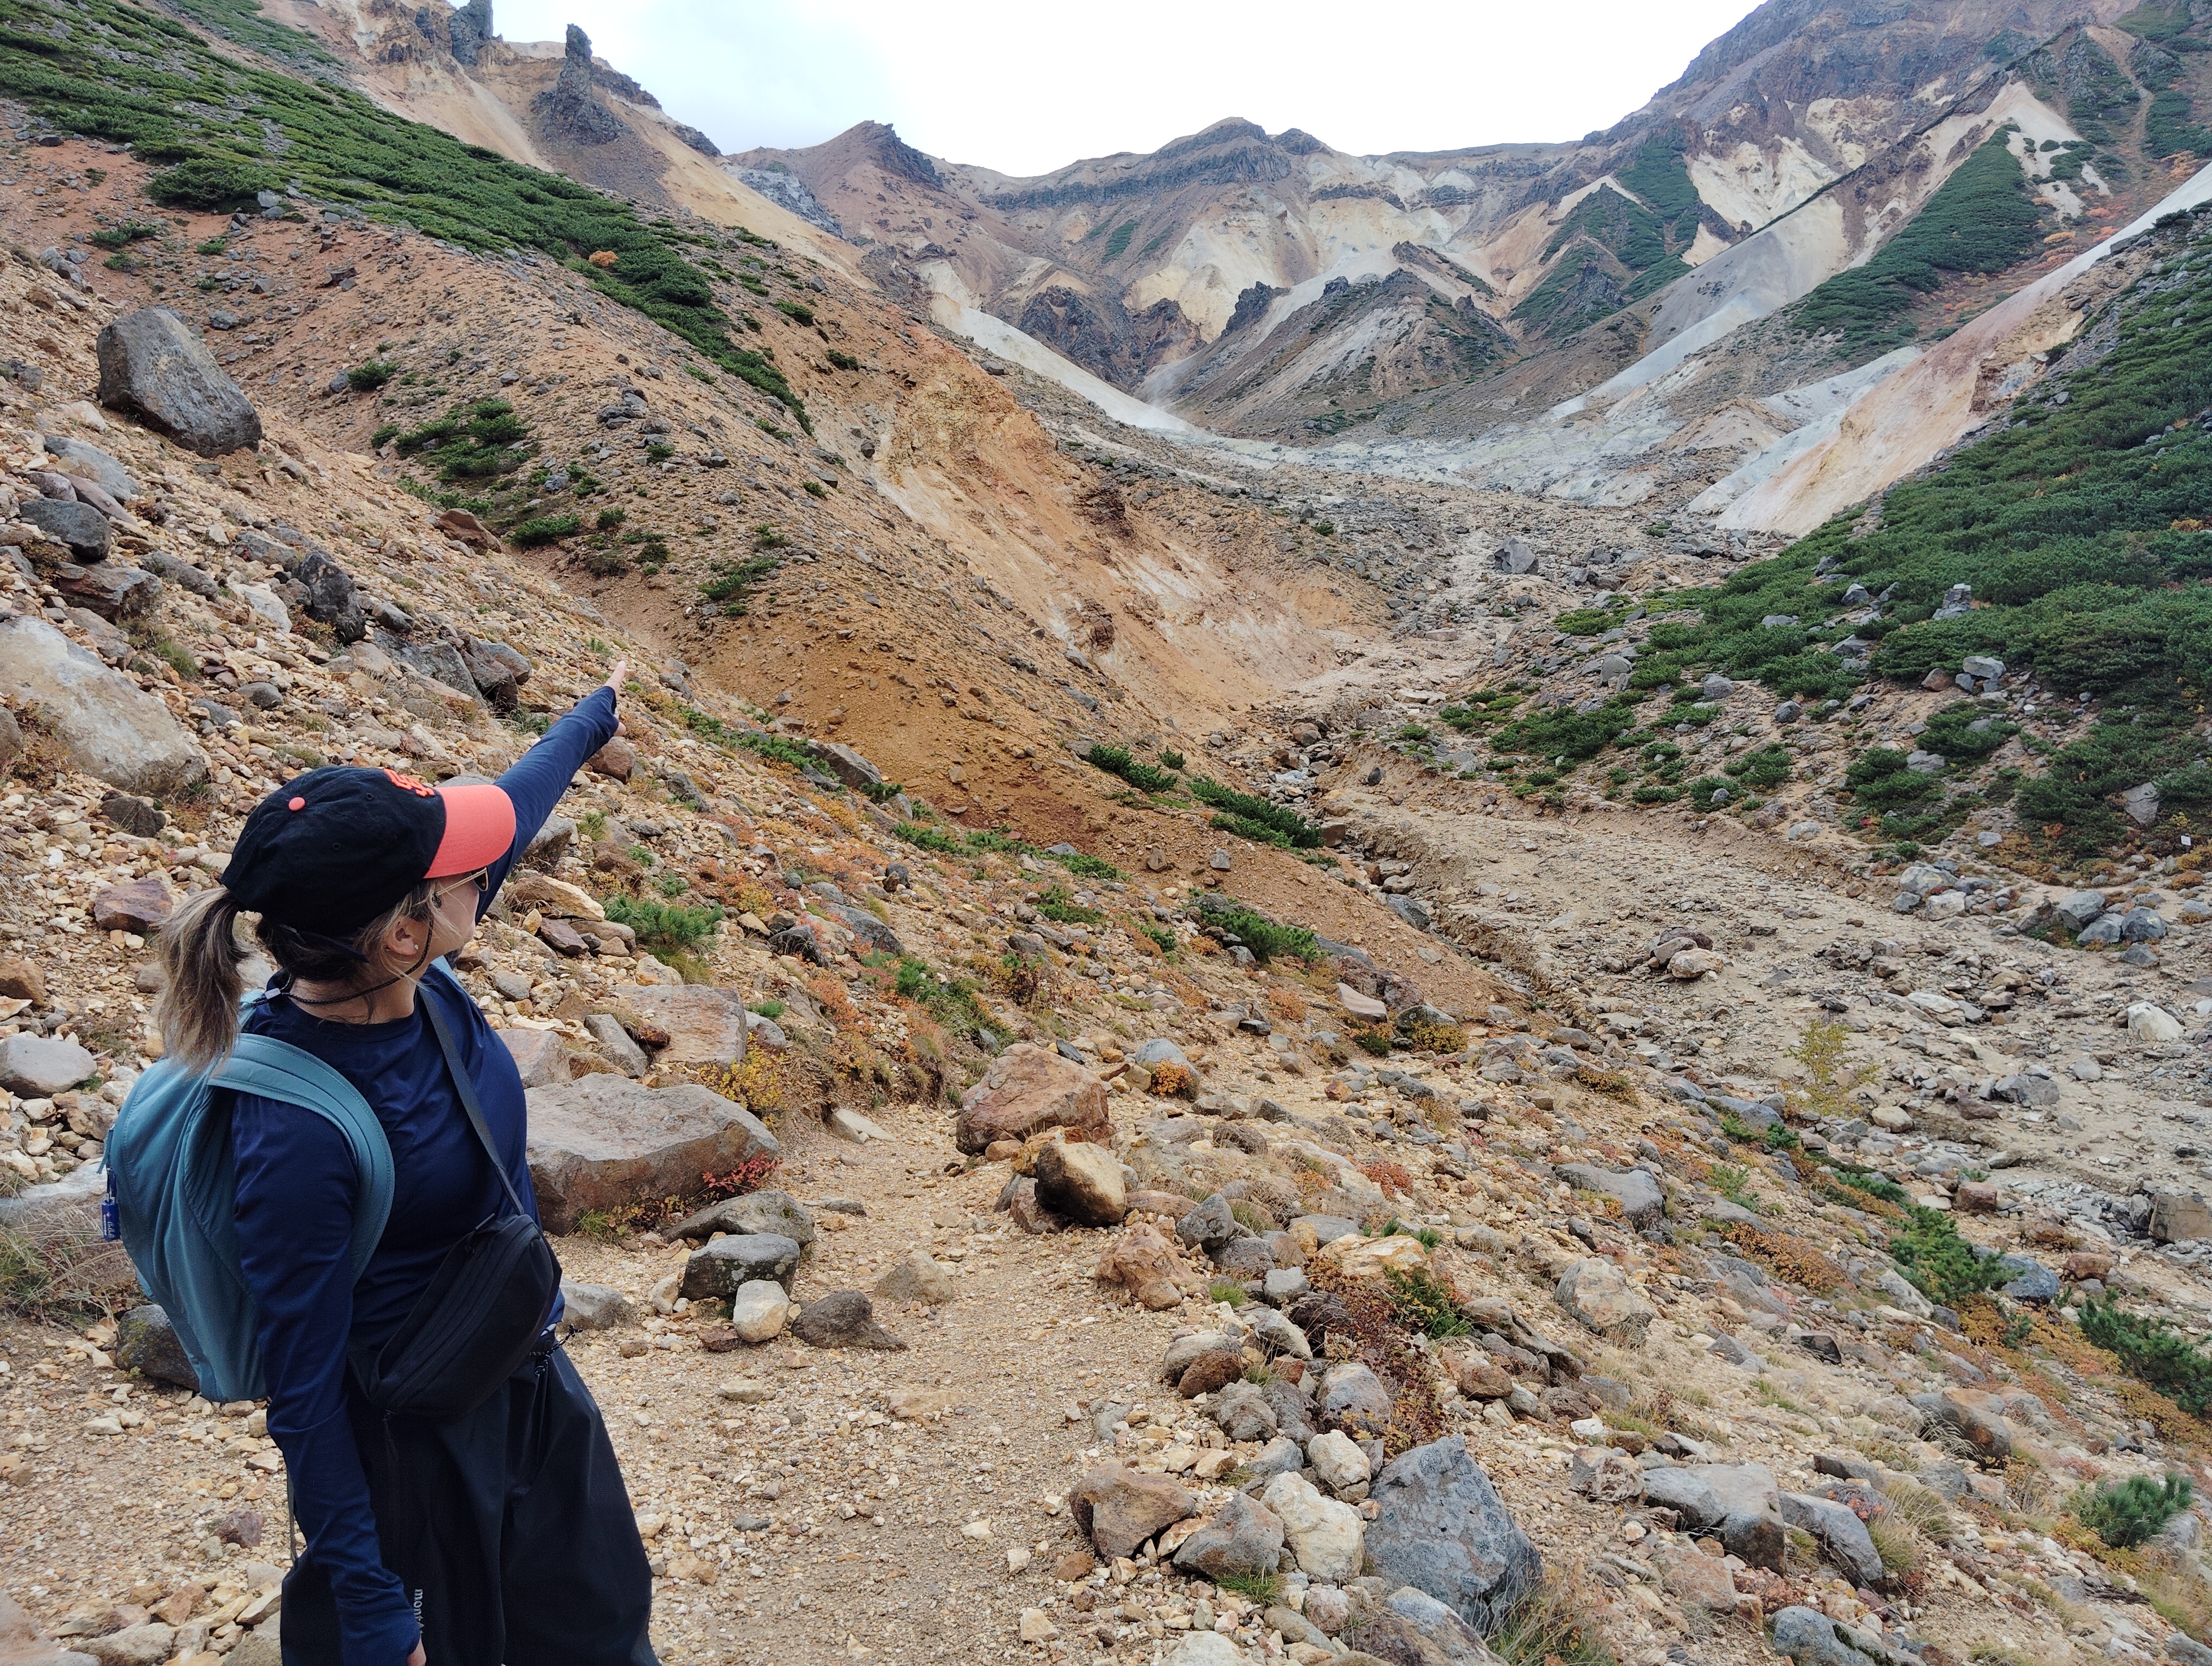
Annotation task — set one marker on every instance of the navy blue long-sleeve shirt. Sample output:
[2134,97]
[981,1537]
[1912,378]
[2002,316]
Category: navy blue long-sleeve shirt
[295,1196]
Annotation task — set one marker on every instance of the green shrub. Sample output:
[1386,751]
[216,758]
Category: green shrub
[1082,867]
[545,529]
[111,71]
[610,518]
[1768,766]
[1576,737]
[2130,1512]
[2153,1351]
[1427,1303]
[796,311]
[729,588]
[929,838]
[1116,760]
[1054,904]
[207,184]
[953,1001]
[1251,817]
[1170,758]
[1262,935]
[664,928]
[842,361]
[1981,220]
[367,377]
[122,236]
[1940,1264]
[1878,778]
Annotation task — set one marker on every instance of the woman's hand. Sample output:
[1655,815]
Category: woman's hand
[617,677]
[418,1658]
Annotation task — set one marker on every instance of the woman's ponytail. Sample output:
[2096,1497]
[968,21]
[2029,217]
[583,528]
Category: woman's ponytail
[200,956]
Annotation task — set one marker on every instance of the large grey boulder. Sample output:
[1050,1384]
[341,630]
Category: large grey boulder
[1442,1528]
[1412,1625]
[755,1212]
[705,1024]
[1245,1537]
[728,1264]
[1684,1491]
[153,363]
[1809,1638]
[110,727]
[82,462]
[39,1066]
[842,762]
[1969,1417]
[147,1343]
[1643,1203]
[1751,1523]
[80,526]
[1842,1535]
[604,1141]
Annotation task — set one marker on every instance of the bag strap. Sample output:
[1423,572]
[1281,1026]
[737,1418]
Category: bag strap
[272,1069]
[466,1088]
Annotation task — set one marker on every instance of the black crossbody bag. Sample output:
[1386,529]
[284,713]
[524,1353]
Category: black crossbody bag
[485,1308]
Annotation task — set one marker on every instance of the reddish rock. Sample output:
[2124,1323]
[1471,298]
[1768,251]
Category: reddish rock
[1026,1091]
[1977,1197]
[21,981]
[1480,1376]
[560,937]
[1210,1372]
[618,759]
[463,528]
[1031,1216]
[1120,1509]
[140,906]
[1143,1261]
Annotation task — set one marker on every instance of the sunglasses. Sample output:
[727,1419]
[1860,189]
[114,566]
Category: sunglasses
[476,882]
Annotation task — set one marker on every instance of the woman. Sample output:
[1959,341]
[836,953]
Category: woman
[505,1536]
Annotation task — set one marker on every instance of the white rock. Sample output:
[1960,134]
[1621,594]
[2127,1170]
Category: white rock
[1206,1649]
[1326,1536]
[1359,1005]
[266,606]
[850,1125]
[759,1310]
[2149,1022]
[1337,1461]
[1037,1626]
[917,1278]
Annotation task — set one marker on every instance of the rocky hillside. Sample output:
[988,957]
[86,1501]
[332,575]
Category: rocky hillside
[1261,1059]
[1266,284]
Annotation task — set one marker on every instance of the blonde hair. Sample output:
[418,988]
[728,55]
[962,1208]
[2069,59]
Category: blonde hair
[201,967]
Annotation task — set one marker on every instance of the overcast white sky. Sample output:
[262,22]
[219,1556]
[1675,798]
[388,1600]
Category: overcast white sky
[1027,88]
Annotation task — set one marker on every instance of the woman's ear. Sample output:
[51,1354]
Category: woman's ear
[406,938]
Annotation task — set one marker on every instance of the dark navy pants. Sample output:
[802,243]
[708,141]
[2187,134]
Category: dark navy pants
[511,1530]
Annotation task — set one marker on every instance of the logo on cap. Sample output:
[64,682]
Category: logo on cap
[410,784]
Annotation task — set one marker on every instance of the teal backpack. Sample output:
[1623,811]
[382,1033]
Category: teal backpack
[171,1191]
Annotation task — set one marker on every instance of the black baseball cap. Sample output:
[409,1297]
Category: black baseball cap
[330,850]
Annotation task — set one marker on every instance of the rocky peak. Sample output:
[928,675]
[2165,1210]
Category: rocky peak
[569,110]
[469,26]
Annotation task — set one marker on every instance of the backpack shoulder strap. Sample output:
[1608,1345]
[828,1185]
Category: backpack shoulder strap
[272,1069]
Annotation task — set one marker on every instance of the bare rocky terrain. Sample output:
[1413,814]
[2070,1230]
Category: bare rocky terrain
[1483,1233]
